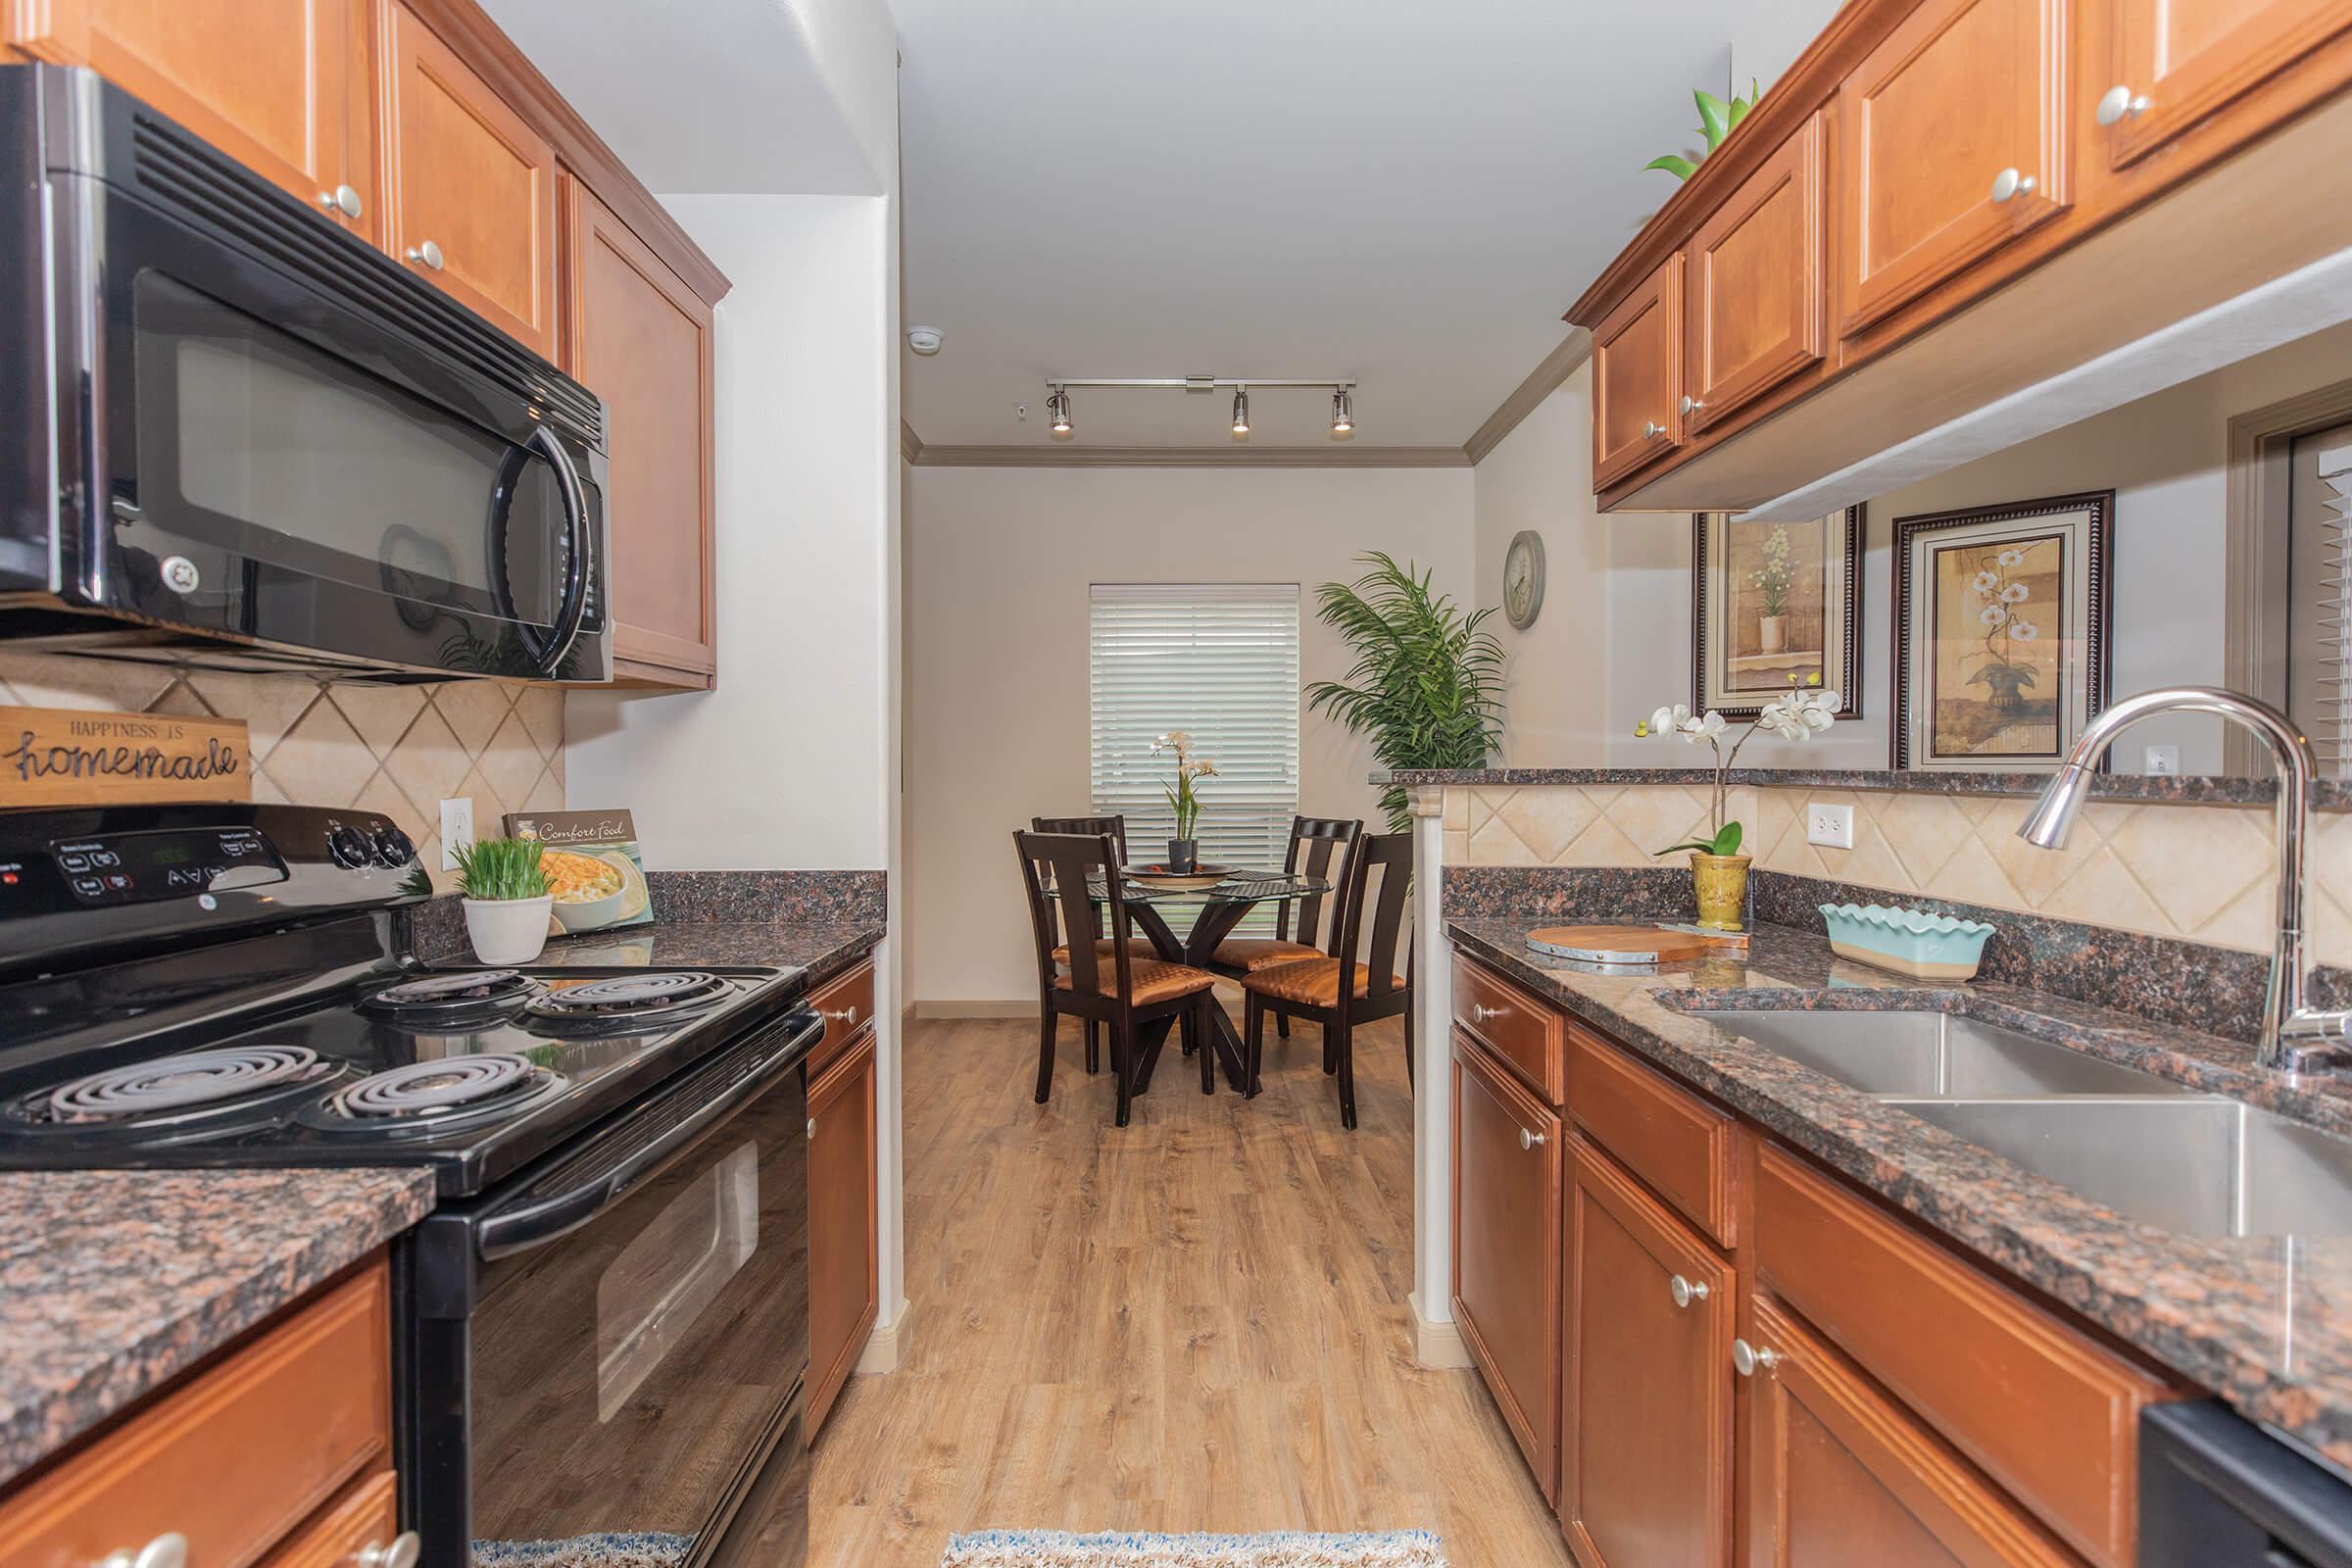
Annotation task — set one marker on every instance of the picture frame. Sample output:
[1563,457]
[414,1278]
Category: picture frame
[2002,632]
[1740,660]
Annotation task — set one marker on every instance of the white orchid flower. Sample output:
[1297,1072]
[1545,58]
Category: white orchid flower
[1694,730]
[1985,581]
[2014,593]
[1669,721]
[1992,614]
[2011,558]
[2025,631]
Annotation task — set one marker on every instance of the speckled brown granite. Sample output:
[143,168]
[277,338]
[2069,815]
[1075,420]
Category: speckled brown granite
[823,951]
[2266,1323]
[114,1282]
[814,898]
[2328,795]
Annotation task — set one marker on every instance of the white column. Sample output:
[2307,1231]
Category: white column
[1437,1343]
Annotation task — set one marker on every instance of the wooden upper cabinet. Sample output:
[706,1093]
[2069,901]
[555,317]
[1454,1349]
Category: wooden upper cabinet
[471,186]
[1951,142]
[641,340]
[1836,1475]
[1646,1476]
[280,85]
[1638,377]
[1755,286]
[2162,66]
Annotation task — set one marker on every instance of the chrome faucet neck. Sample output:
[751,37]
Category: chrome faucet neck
[2293,1037]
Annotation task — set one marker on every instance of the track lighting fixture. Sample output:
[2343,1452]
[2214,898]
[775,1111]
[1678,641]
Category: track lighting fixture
[1343,396]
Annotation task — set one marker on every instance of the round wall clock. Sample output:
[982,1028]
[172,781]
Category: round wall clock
[1523,578]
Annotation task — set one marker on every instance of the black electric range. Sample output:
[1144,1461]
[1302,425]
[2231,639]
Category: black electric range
[618,1268]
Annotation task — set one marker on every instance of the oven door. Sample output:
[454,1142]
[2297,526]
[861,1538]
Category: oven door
[614,1347]
[268,433]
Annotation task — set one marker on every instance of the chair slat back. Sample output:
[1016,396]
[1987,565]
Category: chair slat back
[1314,839]
[1391,857]
[1091,826]
[1056,868]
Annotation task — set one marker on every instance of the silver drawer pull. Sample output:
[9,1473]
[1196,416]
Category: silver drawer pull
[1692,405]
[2121,102]
[2009,182]
[1480,1013]
[813,1127]
[1528,1140]
[1684,1292]
[1747,1361]
[848,1015]
[342,199]
[402,1553]
[428,254]
[167,1550]
[1651,430]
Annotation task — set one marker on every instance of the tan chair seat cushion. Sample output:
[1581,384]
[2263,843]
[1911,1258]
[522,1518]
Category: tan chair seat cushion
[1155,981]
[1261,952]
[1312,983]
[1139,947]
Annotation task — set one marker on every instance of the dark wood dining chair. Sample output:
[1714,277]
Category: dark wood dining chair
[1341,990]
[1314,840]
[1141,947]
[1134,1002]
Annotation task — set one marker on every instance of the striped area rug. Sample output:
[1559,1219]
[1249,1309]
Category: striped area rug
[1046,1548]
[644,1549]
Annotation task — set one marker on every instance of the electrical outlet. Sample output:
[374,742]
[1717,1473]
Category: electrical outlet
[2164,759]
[1829,825]
[457,827]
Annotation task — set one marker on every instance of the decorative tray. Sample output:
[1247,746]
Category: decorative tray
[1200,877]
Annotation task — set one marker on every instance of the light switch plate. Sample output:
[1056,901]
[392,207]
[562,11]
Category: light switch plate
[457,827]
[1832,826]
[2164,759]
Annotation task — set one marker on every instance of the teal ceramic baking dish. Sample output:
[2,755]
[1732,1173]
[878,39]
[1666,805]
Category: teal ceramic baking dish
[1911,941]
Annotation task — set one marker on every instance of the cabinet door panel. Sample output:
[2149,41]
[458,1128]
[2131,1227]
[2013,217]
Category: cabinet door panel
[2179,61]
[1638,377]
[843,1286]
[1646,1479]
[1961,93]
[641,339]
[1506,1248]
[1755,282]
[472,184]
[1834,1476]
[277,85]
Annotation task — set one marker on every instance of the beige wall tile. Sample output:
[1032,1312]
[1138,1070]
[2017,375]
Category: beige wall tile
[381,715]
[322,762]
[1547,821]
[473,710]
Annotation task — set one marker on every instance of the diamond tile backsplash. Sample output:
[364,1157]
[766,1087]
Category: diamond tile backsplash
[397,750]
[2199,872]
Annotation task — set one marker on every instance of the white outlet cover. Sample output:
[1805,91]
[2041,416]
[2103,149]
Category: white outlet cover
[457,827]
[1832,826]
[2162,759]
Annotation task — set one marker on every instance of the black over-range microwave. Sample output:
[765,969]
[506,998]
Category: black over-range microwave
[233,434]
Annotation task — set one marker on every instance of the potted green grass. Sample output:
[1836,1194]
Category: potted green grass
[508,900]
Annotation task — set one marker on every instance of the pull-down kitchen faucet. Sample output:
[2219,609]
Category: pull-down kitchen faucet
[2296,1036]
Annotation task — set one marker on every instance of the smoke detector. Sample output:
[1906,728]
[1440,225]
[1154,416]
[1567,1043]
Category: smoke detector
[926,340]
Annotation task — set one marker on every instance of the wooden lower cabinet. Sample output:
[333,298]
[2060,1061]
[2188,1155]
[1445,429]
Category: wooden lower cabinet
[1506,1248]
[1836,1475]
[1646,1476]
[364,1519]
[844,1233]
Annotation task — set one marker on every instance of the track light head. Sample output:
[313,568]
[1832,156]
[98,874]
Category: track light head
[1342,411]
[1057,412]
[1241,411]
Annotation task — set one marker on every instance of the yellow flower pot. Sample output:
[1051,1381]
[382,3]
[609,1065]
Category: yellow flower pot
[1721,881]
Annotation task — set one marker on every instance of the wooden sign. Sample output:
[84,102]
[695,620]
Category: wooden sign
[63,757]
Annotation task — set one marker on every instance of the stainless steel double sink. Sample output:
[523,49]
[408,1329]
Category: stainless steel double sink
[2151,1150]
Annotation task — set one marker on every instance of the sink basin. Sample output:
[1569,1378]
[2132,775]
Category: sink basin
[2195,1164]
[1933,1054]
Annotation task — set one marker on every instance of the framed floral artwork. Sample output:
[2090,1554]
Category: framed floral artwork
[2001,620]
[1771,603]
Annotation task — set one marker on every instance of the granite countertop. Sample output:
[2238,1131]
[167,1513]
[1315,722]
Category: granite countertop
[2327,795]
[2264,1322]
[825,950]
[114,1282]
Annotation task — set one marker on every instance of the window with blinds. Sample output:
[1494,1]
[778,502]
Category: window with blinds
[1219,662]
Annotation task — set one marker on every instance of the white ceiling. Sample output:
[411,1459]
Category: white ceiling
[1404,193]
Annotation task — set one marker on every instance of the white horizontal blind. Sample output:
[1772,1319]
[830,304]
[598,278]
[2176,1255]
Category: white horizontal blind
[1219,662]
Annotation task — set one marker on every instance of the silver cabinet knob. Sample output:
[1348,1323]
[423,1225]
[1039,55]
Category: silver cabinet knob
[167,1550]
[1747,1361]
[813,1127]
[1684,1292]
[1651,430]
[402,1553]
[427,254]
[1692,405]
[342,199]
[1528,1140]
[2121,102]
[2009,182]
[848,1015]
[1480,1013]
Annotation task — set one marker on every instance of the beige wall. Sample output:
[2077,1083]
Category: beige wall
[397,750]
[998,563]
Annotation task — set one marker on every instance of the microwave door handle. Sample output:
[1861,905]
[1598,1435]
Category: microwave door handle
[575,521]
[534,1224]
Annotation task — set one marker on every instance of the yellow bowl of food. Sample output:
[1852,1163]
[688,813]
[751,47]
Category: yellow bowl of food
[589,890]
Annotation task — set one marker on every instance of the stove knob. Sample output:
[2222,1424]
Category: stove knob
[349,846]
[394,848]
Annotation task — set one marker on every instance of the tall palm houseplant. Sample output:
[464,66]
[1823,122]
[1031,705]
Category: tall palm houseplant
[1427,681]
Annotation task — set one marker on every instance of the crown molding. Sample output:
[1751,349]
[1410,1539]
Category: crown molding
[1072,457]
[1546,379]
[910,445]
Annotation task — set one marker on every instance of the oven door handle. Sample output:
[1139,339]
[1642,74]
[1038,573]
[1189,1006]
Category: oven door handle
[542,1220]
[577,566]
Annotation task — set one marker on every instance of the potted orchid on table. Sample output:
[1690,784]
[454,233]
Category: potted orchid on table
[1718,870]
[1184,850]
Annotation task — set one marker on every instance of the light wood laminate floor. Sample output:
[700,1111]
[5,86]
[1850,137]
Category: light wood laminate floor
[1197,1322]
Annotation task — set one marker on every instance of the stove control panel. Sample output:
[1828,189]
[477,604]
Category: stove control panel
[172,864]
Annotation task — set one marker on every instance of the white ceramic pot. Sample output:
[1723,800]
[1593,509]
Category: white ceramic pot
[1773,632]
[508,930]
